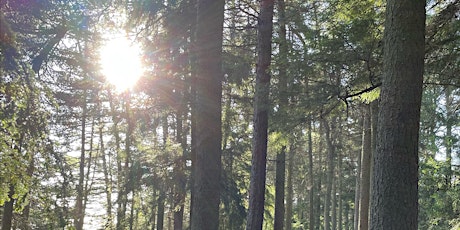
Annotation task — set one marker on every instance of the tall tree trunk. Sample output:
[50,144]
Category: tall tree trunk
[193,101]
[365,172]
[279,188]
[207,165]
[329,176]
[340,191]
[334,204]
[283,100]
[179,175]
[161,209]
[357,193]
[107,180]
[448,139]
[261,108]
[311,193]
[394,202]
[320,174]
[7,218]
[290,191]
[79,207]
[120,185]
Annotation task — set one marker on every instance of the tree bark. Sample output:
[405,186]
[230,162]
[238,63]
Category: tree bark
[330,175]
[365,172]
[179,175]
[395,192]
[261,107]
[7,218]
[207,165]
[279,188]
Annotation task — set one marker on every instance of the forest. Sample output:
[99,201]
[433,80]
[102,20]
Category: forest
[230,114]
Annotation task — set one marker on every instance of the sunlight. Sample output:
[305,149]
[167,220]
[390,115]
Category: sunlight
[121,62]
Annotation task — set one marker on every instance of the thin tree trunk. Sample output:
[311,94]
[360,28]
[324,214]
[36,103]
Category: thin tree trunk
[329,176]
[311,194]
[340,191]
[261,108]
[107,180]
[365,172]
[283,110]
[357,193]
[179,175]
[79,208]
[320,180]
[334,204]
[290,191]
[120,185]
[279,188]
[394,202]
[193,101]
[208,109]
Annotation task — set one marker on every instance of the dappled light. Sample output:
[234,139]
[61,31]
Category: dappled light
[228,115]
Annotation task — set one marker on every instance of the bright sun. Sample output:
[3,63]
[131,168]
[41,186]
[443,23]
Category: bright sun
[121,62]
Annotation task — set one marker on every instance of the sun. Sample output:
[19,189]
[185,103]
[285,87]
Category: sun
[120,61]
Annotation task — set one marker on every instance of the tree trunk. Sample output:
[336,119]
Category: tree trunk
[395,192]
[329,176]
[311,194]
[107,180]
[290,192]
[179,176]
[283,110]
[279,188]
[365,172]
[7,218]
[79,208]
[161,209]
[334,204]
[261,107]
[340,191]
[120,185]
[357,193]
[320,174]
[207,165]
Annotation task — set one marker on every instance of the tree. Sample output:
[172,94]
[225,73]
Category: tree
[261,108]
[394,202]
[207,165]
[365,172]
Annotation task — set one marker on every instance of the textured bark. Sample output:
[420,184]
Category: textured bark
[207,165]
[365,174]
[279,188]
[395,192]
[261,106]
